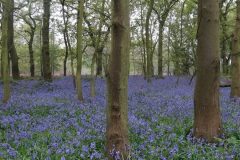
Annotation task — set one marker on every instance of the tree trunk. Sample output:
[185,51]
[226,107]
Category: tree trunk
[93,79]
[168,51]
[160,51]
[52,62]
[72,54]
[144,62]
[65,38]
[224,19]
[47,75]
[31,52]
[5,62]
[11,45]
[31,22]
[117,81]
[235,87]
[41,56]
[2,60]
[100,47]
[79,49]
[99,61]
[68,45]
[151,64]
[224,49]
[65,58]
[207,121]
[148,45]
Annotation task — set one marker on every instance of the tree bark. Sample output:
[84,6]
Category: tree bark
[5,59]
[47,75]
[65,22]
[11,45]
[79,49]
[100,47]
[31,52]
[117,81]
[144,61]
[168,51]
[93,77]
[148,45]
[65,57]
[235,86]
[207,121]
[40,46]
[99,61]
[160,50]
[32,25]
[224,48]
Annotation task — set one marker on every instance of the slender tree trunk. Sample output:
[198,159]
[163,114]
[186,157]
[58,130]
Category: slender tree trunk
[144,62]
[151,63]
[93,78]
[11,45]
[235,87]
[52,52]
[31,22]
[160,50]
[224,20]
[99,61]
[2,61]
[5,59]
[72,58]
[31,52]
[47,75]
[65,38]
[185,63]
[181,24]
[117,81]
[79,49]
[207,121]
[148,45]
[69,46]
[99,49]
[168,52]
[65,57]
[41,56]
[72,54]
[72,66]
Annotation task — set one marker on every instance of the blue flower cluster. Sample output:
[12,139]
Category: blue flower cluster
[46,121]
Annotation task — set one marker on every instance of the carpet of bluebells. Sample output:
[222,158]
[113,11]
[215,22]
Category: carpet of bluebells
[44,121]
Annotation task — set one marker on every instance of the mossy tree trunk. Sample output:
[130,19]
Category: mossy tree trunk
[47,74]
[117,80]
[5,59]
[79,49]
[207,120]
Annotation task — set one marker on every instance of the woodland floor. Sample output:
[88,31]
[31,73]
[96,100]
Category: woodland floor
[45,121]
